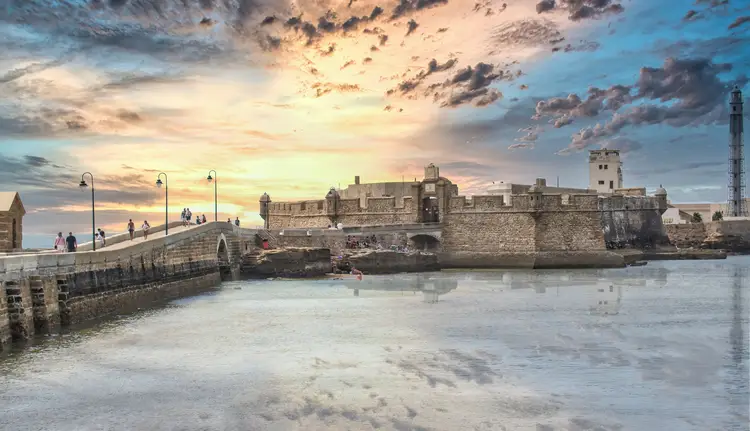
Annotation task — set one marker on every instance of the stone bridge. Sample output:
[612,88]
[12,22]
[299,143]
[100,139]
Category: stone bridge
[42,290]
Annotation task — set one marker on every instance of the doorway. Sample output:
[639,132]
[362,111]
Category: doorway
[430,212]
[15,236]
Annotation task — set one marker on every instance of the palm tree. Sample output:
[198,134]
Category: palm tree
[697,218]
[718,216]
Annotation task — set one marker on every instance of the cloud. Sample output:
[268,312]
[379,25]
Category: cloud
[580,9]
[411,27]
[625,145]
[406,7]
[691,90]
[739,21]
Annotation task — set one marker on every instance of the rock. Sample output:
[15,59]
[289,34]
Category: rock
[287,263]
[391,262]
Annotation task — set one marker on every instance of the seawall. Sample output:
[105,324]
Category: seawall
[43,291]
[730,235]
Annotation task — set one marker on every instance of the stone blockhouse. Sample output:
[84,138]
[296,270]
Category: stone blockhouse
[531,221]
[11,222]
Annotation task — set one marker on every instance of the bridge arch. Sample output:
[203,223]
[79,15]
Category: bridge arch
[425,241]
[223,257]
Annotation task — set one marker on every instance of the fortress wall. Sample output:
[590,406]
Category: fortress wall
[688,235]
[315,214]
[631,221]
[569,231]
[488,232]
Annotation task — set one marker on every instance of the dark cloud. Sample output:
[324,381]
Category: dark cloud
[269,43]
[128,116]
[690,15]
[383,38]
[411,27]
[690,91]
[324,88]
[580,9]
[406,7]
[565,109]
[432,67]
[545,6]
[268,21]
[36,161]
[528,32]
[739,21]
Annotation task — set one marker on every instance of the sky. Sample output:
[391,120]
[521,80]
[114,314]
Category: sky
[292,97]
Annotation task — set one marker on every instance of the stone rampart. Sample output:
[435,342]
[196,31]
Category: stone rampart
[633,221]
[687,235]
[318,213]
[49,289]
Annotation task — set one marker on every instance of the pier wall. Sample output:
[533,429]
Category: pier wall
[41,291]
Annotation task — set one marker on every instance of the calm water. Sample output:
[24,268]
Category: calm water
[662,347]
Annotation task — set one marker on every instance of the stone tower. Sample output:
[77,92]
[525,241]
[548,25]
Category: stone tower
[736,203]
[605,170]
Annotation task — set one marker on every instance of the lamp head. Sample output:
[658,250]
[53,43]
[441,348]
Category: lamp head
[159,183]
[210,178]
[83,185]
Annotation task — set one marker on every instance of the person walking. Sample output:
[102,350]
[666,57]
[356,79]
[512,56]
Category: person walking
[71,243]
[102,240]
[188,216]
[183,216]
[145,226]
[60,243]
[131,229]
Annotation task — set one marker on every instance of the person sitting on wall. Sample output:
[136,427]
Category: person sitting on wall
[265,243]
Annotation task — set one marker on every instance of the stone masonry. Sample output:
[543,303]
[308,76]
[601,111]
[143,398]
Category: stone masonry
[42,291]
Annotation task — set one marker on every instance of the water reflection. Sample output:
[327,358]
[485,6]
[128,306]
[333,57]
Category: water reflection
[432,285]
[656,347]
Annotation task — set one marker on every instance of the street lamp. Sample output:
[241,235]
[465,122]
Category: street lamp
[215,180]
[84,186]
[166,199]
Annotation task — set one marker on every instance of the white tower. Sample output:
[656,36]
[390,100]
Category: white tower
[605,170]
[736,206]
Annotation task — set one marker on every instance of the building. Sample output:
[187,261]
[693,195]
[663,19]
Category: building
[507,190]
[605,170]
[11,222]
[675,215]
[397,190]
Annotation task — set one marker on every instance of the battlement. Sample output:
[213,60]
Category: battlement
[322,207]
[524,203]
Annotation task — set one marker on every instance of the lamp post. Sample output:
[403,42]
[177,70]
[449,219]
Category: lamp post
[215,180]
[83,186]
[166,199]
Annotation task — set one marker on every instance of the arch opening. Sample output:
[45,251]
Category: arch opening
[425,243]
[14,241]
[222,255]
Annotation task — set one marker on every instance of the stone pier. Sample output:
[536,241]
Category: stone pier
[42,291]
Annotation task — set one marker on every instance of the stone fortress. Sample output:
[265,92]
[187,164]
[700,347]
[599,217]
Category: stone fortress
[512,223]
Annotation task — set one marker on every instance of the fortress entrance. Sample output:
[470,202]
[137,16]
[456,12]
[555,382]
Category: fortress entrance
[430,212]
[425,243]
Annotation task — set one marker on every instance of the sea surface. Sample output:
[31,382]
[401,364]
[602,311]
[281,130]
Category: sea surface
[662,347]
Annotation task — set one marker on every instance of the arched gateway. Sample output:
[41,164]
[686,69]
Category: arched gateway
[223,257]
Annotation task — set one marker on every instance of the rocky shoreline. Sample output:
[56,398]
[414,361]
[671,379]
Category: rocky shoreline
[318,262]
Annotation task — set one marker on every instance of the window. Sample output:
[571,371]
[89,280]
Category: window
[302,206]
[601,182]
[611,184]
[600,167]
[320,205]
[606,167]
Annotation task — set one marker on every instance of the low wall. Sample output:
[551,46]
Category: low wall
[687,235]
[122,237]
[391,262]
[730,235]
[50,289]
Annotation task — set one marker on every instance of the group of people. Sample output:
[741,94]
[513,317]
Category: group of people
[70,243]
[353,242]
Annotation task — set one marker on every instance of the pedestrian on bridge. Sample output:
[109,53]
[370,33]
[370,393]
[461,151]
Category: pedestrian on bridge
[145,226]
[60,243]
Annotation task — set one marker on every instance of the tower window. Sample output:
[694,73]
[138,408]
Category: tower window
[601,182]
[611,184]
[606,166]
[600,167]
